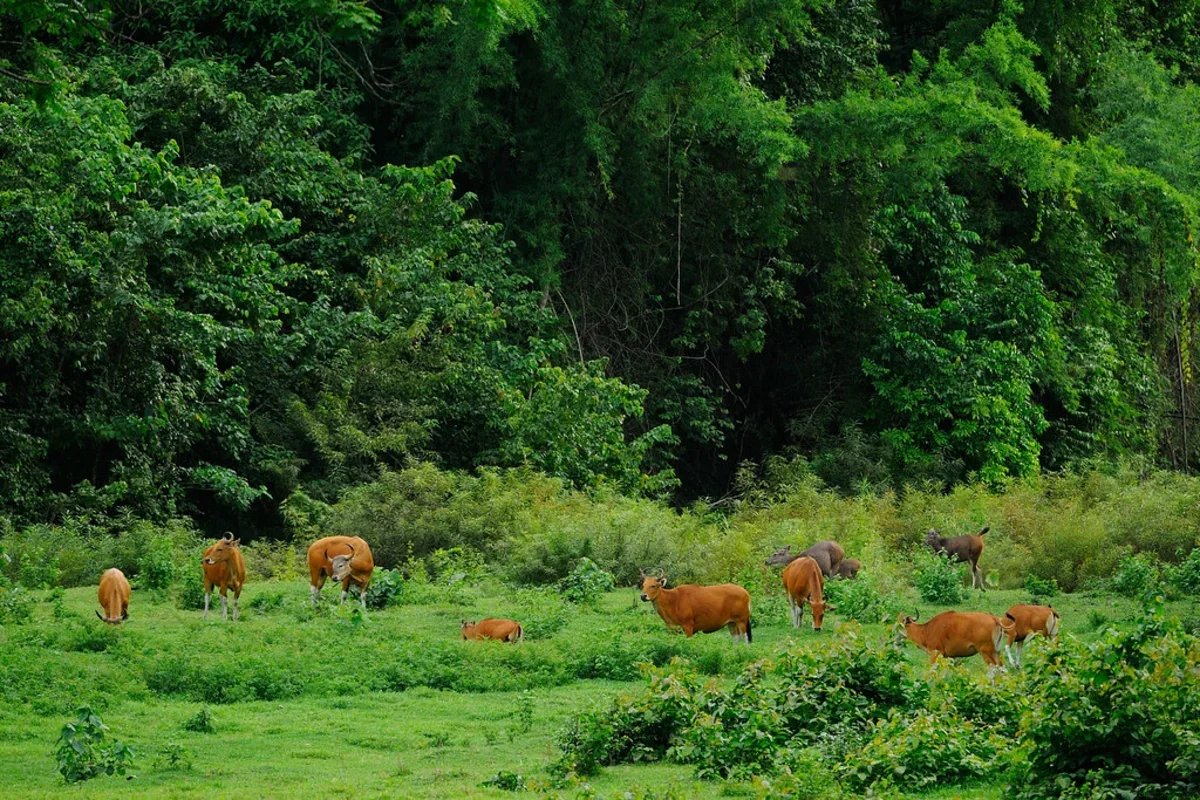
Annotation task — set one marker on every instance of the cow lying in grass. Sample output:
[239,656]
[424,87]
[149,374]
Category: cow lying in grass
[700,608]
[114,597]
[1028,620]
[505,630]
[959,634]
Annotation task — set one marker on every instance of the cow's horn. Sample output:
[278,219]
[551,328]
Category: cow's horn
[102,619]
[229,536]
[662,573]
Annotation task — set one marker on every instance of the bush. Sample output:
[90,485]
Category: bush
[1040,590]
[938,579]
[201,722]
[16,605]
[586,582]
[81,753]
[858,599]
[189,589]
[271,600]
[1186,576]
[386,589]
[1113,718]
[1136,576]
[156,565]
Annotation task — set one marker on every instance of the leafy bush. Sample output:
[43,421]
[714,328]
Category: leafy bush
[505,781]
[200,722]
[586,582]
[1114,717]
[81,752]
[189,588]
[1136,576]
[16,605]
[1040,590]
[386,589]
[156,565]
[858,599]
[271,600]
[938,579]
[1186,576]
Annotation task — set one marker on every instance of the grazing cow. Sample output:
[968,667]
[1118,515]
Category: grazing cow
[1028,620]
[347,559]
[804,583]
[965,548]
[505,630]
[224,567]
[828,555]
[958,634]
[849,568]
[700,608]
[114,597]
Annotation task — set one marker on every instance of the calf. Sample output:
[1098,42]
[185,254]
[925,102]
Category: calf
[828,555]
[849,568]
[966,548]
[1028,620]
[114,597]
[958,634]
[224,567]
[347,559]
[503,629]
[700,608]
[804,583]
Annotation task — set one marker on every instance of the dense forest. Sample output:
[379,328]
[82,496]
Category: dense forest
[255,253]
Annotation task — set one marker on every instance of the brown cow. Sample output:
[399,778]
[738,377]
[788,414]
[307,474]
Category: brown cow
[224,567]
[828,555]
[1028,620]
[114,597]
[347,559]
[700,608]
[506,630]
[958,634]
[804,583]
[849,568]
[966,548]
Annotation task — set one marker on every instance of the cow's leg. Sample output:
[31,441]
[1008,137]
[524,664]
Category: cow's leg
[345,589]
[315,585]
[362,598]
[224,604]
[207,595]
[237,595]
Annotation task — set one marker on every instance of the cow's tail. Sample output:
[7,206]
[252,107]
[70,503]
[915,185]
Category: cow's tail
[520,634]
[985,530]
[1052,624]
[749,634]
[1003,626]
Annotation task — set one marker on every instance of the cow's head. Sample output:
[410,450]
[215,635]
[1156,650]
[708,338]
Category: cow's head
[223,550]
[340,565]
[933,538]
[468,628]
[780,556]
[818,613]
[652,585]
[114,620]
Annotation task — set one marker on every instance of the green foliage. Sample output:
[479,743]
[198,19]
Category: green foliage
[506,781]
[1114,717]
[1186,577]
[586,582]
[82,753]
[156,565]
[858,599]
[201,722]
[1040,591]
[1137,576]
[16,605]
[173,755]
[938,579]
[386,589]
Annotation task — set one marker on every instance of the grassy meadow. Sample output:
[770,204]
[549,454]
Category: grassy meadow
[325,704]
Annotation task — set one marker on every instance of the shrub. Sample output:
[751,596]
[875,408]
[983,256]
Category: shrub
[586,582]
[1040,590]
[857,599]
[200,722]
[938,579]
[16,605]
[81,752]
[1114,717]
[386,589]
[272,600]
[1136,576]
[189,588]
[156,565]
[1186,576]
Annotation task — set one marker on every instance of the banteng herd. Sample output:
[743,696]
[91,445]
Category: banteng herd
[690,608]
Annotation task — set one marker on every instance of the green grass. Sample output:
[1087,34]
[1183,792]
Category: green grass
[305,704]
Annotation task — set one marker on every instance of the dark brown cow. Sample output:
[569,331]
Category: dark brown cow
[849,568]
[804,583]
[700,608]
[505,630]
[959,634]
[1028,620]
[828,555]
[114,597]
[966,548]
